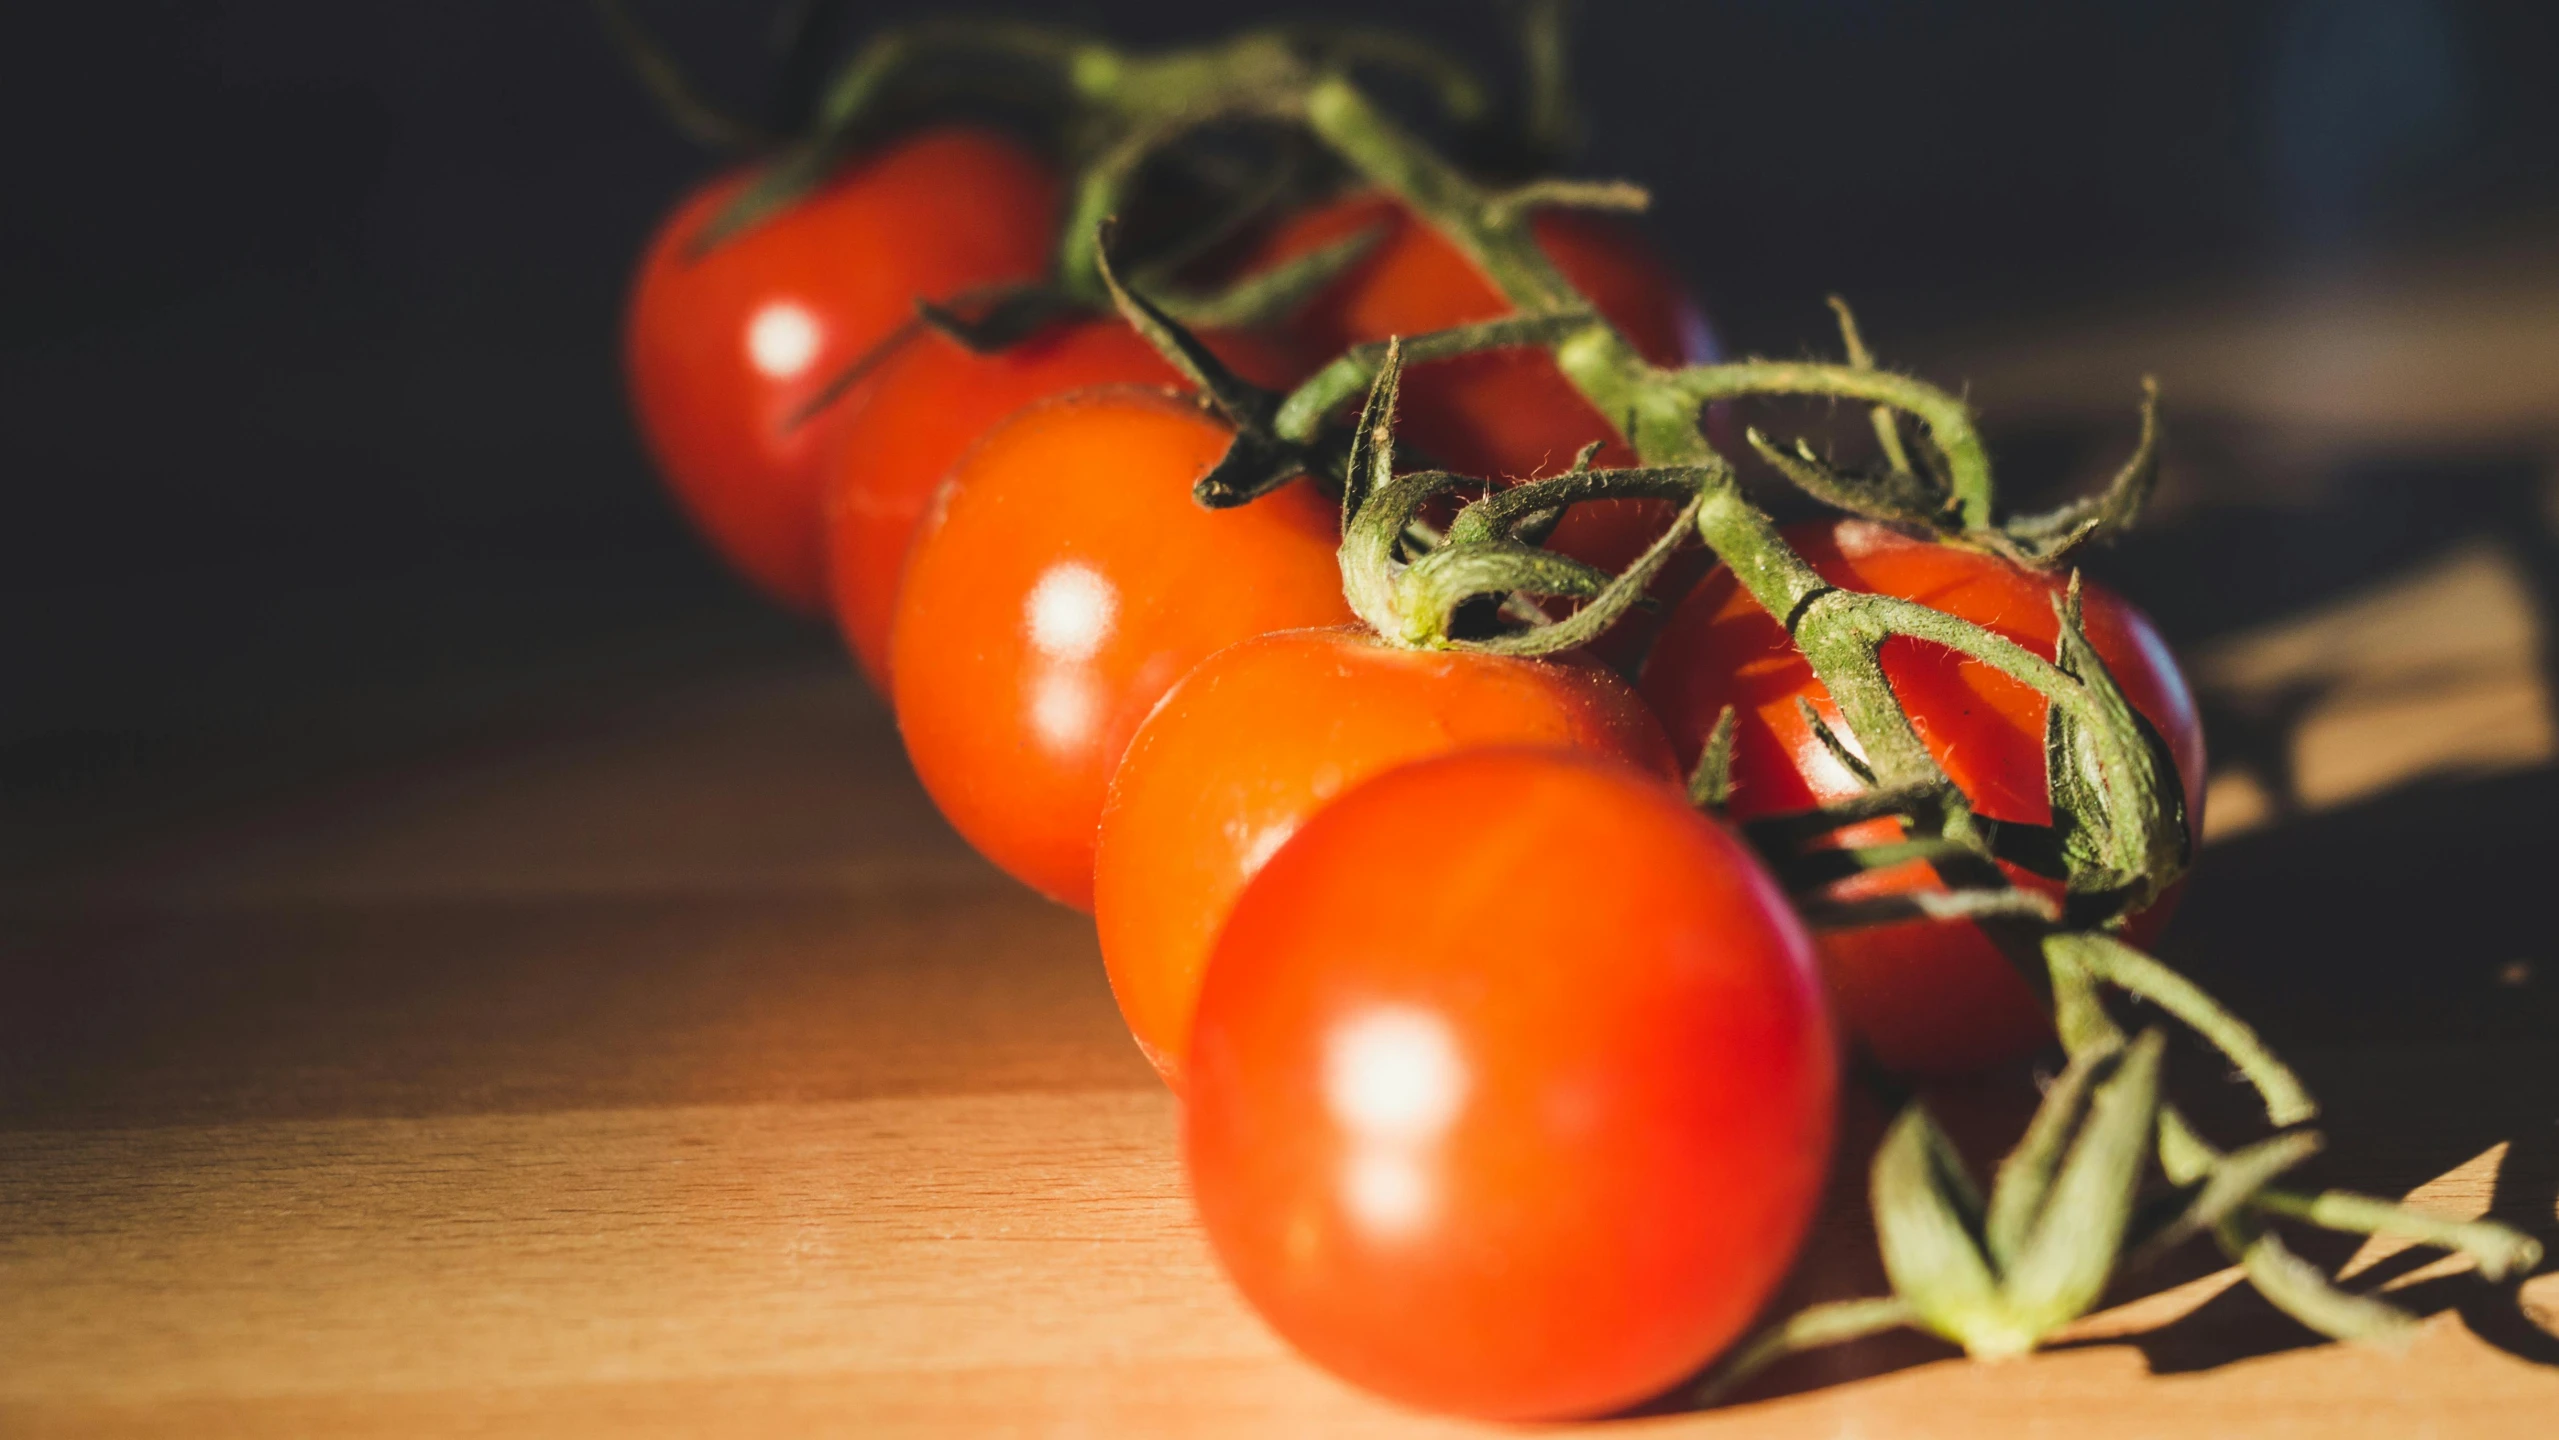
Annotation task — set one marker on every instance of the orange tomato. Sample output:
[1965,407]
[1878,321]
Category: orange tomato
[725,348]
[1062,582]
[912,419]
[1261,736]
[1926,997]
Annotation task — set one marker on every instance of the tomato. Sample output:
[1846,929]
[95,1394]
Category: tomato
[911,420]
[1926,998]
[1062,582]
[1512,1086]
[1260,737]
[725,348]
[1505,414]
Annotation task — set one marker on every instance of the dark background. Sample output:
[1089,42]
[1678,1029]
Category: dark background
[308,390]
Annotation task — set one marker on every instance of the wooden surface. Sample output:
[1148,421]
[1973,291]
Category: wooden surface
[653,1062]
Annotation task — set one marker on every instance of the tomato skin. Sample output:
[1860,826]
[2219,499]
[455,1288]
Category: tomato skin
[912,419]
[1062,582]
[1503,1126]
[1926,998]
[725,348]
[1504,414]
[1261,736]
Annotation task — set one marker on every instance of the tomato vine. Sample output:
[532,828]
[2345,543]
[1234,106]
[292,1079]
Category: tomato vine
[1997,1274]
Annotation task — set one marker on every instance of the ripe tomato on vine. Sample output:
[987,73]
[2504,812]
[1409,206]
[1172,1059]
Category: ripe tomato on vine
[1254,742]
[726,346]
[1062,582]
[1927,997]
[915,416]
[1512,1087]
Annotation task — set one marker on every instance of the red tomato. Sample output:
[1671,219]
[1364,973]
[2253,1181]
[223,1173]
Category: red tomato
[1259,738]
[1511,1087]
[1507,414]
[1062,582]
[914,417]
[1928,999]
[725,348]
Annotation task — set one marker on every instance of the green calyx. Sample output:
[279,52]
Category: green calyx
[1999,1278]
[1412,596]
[2069,1208]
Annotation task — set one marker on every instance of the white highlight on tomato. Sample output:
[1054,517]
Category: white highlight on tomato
[1394,1074]
[1394,1080]
[1254,850]
[1062,710]
[1069,611]
[782,339]
[1388,1191]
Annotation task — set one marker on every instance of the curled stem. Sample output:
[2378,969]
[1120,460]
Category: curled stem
[1949,420]
[2045,539]
[1482,553]
[1887,429]
[1332,387]
[1271,295]
[1897,497]
[2105,958]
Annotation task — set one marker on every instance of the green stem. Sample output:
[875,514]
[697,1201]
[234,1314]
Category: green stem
[1810,1328]
[1832,864]
[1498,514]
[2127,969]
[1350,374]
[1625,197]
[1887,429]
[2499,1250]
[1414,604]
[1459,90]
[1151,101]
[2296,1287]
[1949,420]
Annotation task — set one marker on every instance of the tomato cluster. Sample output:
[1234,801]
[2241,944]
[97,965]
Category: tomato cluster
[1508,1075]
